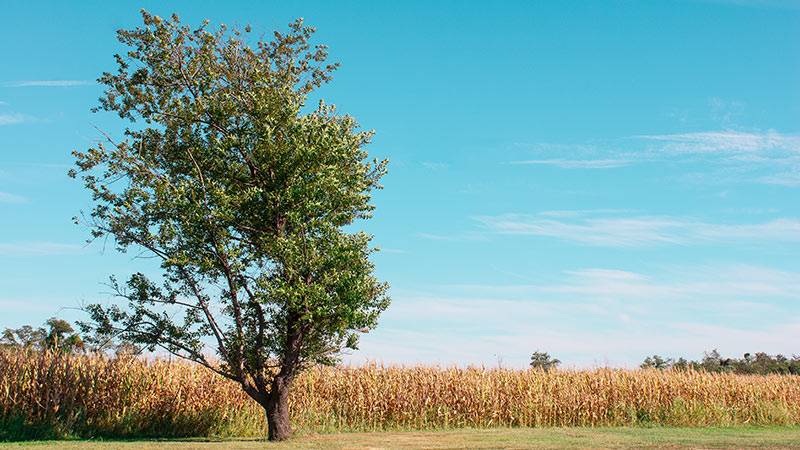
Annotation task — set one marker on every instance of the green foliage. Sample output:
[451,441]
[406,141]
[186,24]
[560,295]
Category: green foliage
[245,198]
[656,362]
[59,335]
[755,364]
[543,360]
[25,336]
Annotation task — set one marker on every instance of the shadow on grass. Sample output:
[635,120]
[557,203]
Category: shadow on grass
[20,429]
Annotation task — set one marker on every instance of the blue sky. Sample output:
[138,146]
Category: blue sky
[600,180]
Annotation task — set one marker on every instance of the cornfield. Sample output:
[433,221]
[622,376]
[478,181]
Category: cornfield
[57,395]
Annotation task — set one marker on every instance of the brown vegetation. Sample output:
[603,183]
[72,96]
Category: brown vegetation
[53,394]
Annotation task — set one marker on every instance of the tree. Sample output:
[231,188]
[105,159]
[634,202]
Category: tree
[543,360]
[681,364]
[246,197]
[103,341]
[656,362]
[759,363]
[59,335]
[24,337]
[714,362]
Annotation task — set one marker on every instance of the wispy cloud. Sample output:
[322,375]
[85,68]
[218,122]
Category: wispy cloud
[767,157]
[434,165]
[640,231]
[453,237]
[14,119]
[593,316]
[718,283]
[6,197]
[577,163]
[694,287]
[37,248]
[625,345]
[47,83]
[725,141]
[790,179]
[583,212]
[725,112]
[595,155]
[27,305]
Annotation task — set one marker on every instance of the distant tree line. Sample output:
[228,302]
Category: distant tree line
[759,363]
[750,363]
[59,335]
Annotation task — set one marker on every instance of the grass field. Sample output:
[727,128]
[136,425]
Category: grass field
[517,438]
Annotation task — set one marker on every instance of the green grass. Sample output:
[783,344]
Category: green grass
[517,438]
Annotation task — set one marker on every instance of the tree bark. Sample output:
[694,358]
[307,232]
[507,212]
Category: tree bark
[277,410]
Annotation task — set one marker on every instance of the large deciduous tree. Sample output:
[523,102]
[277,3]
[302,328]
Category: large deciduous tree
[245,195]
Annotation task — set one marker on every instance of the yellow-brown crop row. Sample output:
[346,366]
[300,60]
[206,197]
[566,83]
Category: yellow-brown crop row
[85,395]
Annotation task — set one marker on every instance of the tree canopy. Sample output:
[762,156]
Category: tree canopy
[543,360]
[246,196]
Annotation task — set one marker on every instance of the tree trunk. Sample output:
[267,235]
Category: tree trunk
[278,411]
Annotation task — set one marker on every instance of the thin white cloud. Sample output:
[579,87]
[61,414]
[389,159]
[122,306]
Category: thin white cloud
[608,274]
[6,197]
[789,179]
[625,346]
[641,231]
[37,248]
[582,212]
[765,157]
[731,156]
[743,282]
[27,305]
[47,83]
[433,165]
[594,316]
[577,163]
[726,112]
[14,119]
[560,213]
[455,237]
[725,141]
[747,284]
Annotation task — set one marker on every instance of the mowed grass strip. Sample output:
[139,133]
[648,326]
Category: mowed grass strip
[516,438]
